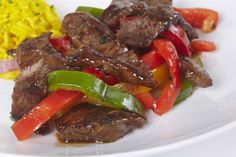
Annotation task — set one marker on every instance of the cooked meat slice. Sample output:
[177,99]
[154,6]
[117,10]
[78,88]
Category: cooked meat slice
[164,13]
[30,88]
[191,32]
[114,48]
[122,8]
[85,30]
[126,66]
[31,51]
[44,129]
[36,57]
[157,2]
[195,73]
[152,18]
[89,123]
[139,32]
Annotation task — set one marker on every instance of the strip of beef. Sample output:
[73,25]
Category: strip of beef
[138,32]
[156,2]
[125,66]
[195,73]
[191,32]
[36,57]
[122,8]
[30,88]
[136,72]
[141,31]
[90,123]
[85,30]
[111,49]
[154,17]
[31,51]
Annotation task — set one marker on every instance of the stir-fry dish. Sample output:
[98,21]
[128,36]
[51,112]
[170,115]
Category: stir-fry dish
[96,82]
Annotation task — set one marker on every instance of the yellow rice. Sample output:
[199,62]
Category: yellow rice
[20,19]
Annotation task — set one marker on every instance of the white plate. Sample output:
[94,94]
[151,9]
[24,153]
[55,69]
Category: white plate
[204,112]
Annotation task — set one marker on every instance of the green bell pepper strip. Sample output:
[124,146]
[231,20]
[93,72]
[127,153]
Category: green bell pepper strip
[96,12]
[198,59]
[186,90]
[95,89]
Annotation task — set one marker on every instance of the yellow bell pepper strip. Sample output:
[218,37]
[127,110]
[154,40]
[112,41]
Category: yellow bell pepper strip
[96,12]
[161,75]
[168,96]
[132,88]
[42,112]
[142,93]
[94,88]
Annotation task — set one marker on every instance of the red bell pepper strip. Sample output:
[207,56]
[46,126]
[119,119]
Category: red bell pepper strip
[179,38]
[42,112]
[62,44]
[146,100]
[94,71]
[202,46]
[152,59]
[204,19]
[171,91]
[109,79]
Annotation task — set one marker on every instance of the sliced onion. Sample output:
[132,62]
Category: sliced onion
[8,65]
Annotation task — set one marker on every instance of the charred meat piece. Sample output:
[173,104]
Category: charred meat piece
[89,123]
[114,48]
[30,88]
[195,73]
[155,17]
[36,57]
[44,129]
[138,32]
[125,66]
[191,32]
[164,12]
[156,2]
[31,51]
[122,8]
[85,30]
